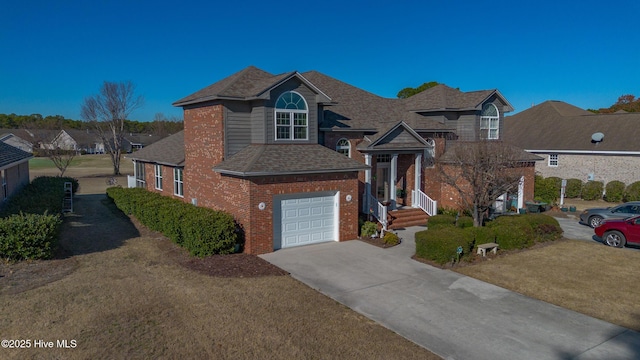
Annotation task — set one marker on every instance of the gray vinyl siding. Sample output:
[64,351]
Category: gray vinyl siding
[237,127]
[259,133]
[468,126]
[312,121]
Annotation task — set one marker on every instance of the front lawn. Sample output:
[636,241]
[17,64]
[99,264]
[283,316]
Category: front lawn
[586,277]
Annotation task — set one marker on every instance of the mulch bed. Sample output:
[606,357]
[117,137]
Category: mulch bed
[231,265]
[376,242]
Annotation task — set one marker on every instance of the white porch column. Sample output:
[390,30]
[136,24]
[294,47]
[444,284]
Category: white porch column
[393,174]
[417,178]
[367,182]
[521,193]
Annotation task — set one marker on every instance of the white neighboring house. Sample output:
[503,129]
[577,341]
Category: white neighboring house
[563,135]
[16,141]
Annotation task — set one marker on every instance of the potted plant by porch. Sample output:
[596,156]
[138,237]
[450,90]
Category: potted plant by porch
[400,194]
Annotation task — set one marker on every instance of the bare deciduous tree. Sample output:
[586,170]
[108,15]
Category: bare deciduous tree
[46,136]
[481,171]
[107,112]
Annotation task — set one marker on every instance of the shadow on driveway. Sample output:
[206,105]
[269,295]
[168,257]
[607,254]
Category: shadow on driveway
[95,225]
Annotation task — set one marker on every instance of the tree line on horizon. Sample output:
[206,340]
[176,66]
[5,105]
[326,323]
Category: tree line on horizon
[628,103]
[160,125]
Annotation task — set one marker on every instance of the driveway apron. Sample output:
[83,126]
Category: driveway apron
[455,316]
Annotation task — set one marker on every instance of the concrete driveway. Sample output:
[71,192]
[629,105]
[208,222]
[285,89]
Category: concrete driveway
[455,316]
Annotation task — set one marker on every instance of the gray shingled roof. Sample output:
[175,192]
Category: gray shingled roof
[10,155]
[519,155]
[168,151]
[287,159]
[558,126]
[357,109]
[442,97]
[248,83]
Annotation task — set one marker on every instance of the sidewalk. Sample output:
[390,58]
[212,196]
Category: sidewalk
[455,316]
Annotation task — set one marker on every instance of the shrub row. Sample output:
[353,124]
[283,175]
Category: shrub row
[30,219]
[43,195]
[441,240]
[548,190]
[28,236]
[201,231]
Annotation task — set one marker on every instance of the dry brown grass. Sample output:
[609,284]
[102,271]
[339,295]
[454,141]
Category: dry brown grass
[119,294]
[586,277]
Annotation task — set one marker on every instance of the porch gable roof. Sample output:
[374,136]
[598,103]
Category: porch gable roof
[399,136]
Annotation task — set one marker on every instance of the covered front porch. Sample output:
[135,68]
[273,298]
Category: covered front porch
[394,180]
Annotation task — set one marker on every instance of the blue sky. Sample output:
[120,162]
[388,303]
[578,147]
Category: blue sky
[53,54]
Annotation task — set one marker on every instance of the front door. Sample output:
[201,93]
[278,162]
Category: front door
[382,182]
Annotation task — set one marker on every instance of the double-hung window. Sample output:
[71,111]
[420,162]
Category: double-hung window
[490,122]
[291,117]
[178,184]
[139,174]
[553,160]
[158,176]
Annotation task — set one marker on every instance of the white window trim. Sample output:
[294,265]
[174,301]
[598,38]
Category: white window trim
[291,116]
[157,170]
[140,180]
[489,120]
[178,183]
[344,147]
[553,162]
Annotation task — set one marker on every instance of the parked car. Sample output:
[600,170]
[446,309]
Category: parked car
[619,232]
[593,217]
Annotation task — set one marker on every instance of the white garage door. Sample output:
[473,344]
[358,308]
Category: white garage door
[308,220]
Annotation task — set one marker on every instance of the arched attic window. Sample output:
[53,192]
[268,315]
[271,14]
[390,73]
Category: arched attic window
[291,117]
[490,122]
[344,147]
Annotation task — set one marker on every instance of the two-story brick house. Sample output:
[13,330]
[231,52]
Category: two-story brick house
[296,157]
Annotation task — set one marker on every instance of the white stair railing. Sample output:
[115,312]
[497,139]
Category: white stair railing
[424,202]
[376,209]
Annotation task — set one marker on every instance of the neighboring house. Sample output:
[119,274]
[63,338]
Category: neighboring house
[134,142]
[296,157]
[16,141]
[14,170]
[564,136]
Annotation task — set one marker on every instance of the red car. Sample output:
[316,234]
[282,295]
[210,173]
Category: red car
[619,232]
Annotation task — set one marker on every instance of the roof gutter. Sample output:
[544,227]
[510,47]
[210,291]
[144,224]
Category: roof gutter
[591,152]
[15,163]
[272,173]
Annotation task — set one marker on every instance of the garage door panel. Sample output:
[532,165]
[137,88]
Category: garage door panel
[308,220]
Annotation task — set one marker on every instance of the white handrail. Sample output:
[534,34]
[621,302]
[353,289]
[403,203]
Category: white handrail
[424,202]
[378,210]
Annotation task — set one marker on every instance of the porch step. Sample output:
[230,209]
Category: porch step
[406,217]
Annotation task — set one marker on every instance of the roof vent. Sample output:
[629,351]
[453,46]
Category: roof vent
[597,137]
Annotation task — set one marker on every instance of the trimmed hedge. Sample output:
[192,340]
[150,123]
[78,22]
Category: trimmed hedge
[546,189]
[573,190]
[441,240]
[28,236]
[441,220]
[43,195]
[632,192]
[440,244]
[614,191]
[30,219]
[202,231]
[592,190]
